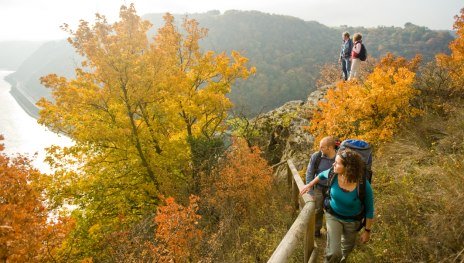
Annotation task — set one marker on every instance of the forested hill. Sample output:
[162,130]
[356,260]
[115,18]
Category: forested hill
[286,51]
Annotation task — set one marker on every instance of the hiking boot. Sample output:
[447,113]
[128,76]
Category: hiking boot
[317,233]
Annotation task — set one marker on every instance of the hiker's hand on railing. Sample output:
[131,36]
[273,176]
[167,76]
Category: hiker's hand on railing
[306,188]
[309,186]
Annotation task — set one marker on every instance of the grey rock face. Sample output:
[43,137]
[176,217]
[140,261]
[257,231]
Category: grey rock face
[288,138]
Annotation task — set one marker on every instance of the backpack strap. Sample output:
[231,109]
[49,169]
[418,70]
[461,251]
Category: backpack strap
[317,162]
[361,191]
[369,168]
[330,180]
[362,197]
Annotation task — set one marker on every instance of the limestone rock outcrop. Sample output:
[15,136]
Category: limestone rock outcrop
[287,133]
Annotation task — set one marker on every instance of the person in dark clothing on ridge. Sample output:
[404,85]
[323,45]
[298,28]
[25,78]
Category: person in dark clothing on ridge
[345,55]
[320,161]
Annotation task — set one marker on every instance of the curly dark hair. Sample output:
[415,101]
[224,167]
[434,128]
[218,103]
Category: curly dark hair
[354,165]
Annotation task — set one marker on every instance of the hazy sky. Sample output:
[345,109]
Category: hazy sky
[40,19]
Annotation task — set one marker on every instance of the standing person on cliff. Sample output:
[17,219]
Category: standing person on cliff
[345,55]
[320,161]
[356,55]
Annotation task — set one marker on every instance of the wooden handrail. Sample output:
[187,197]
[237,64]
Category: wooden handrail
[303,226]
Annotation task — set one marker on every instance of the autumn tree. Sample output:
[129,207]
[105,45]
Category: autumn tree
[130,244]
[172,235]
[441,81]
[24,231]
[371,110]
[177,237]
[237,205]
[329,74]
[242,177]
[22,214]
[132,109]
[56,233]
[454,63]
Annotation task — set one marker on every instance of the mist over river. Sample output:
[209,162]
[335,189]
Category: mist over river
[22,132]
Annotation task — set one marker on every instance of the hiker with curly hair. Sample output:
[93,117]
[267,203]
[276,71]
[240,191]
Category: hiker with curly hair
[344,208]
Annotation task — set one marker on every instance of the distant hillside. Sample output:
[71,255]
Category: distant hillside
[52,57]
[287,52]
[13,53]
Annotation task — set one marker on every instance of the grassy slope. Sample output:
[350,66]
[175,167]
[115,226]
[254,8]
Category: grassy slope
[419,186]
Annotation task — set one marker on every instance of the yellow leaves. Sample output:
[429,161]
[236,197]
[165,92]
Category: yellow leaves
[371,110]
[131,110]
[454,64]
[95,231]
[392,62]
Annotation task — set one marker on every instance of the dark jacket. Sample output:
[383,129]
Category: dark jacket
[346,49]
[312,171]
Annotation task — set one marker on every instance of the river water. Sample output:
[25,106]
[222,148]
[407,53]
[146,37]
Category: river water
[22,132]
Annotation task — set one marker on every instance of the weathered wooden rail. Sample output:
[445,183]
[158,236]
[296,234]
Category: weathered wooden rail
[302,228]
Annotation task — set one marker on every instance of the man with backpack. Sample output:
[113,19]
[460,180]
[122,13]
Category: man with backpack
[320,161]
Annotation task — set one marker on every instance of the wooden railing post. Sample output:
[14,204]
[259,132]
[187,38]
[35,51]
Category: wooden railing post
[302,227]
[295,196]
[294,190]
[294,235]
[289,176]
[309,244]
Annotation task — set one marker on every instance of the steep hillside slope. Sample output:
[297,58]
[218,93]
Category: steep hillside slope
[56,57]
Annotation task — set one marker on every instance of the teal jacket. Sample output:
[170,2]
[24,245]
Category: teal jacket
[348,203]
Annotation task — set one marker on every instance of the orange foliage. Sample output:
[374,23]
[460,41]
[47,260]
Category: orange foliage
[372,110]
[177,235]
[22,214]
[24,232]
[130,243]
[243,181]
[454,63]
[55,235]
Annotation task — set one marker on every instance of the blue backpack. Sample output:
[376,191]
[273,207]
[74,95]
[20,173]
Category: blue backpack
[364,149]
